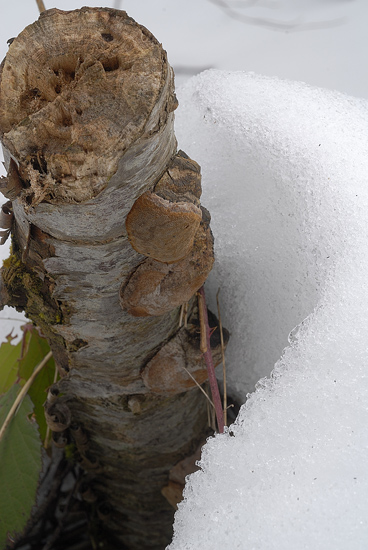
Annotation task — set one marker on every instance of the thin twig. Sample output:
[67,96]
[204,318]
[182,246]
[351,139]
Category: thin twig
[40,5]
[208,414]
[211,417]
[210,366]
[185,314]
[222,356]
[296,24]
[23,393]
[202,325]
[181,315]
[199,386]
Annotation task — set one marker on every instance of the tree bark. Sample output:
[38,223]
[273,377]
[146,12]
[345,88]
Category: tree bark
[108,241]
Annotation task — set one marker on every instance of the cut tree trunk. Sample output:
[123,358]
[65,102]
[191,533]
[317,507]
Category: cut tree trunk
[108,241]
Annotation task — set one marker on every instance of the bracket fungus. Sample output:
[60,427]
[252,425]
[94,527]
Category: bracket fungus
[161,229]
[179,365]
[171,229]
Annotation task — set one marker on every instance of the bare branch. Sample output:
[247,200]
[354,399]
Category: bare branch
[40,5]
[296,24]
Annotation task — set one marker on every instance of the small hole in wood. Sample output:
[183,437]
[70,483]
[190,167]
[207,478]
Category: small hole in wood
[78,111]
[64,67]
[64,75]
[111,64]
[107,36]
[30,95]
[39,163]
[35,93]
[66,120]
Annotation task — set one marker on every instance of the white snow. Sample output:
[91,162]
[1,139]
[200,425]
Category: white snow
[285,170]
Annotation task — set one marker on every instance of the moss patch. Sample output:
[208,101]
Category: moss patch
[29,293]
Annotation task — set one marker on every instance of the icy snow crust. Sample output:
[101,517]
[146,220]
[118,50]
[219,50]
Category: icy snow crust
[285,176]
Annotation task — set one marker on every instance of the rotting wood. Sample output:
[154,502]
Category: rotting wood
[86,122]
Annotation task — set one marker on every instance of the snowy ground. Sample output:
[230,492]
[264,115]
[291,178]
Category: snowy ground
[284,175]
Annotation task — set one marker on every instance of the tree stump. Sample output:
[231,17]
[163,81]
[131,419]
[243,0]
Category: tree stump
[108,241]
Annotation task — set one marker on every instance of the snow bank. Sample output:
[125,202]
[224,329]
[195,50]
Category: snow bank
[285,170]
[285,179]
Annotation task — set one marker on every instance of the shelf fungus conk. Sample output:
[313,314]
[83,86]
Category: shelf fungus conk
[155,288]
[58,416]
[179,365]
[170,228]
[161,229]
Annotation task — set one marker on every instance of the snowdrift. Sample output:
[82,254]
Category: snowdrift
[285,177]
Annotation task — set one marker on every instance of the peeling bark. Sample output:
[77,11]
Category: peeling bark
[108,240]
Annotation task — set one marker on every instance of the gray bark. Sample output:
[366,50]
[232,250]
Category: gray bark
[86,122]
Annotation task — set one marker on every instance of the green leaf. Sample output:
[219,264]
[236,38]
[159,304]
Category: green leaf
[21,464]
[13,368]
[37,349]
[9,356]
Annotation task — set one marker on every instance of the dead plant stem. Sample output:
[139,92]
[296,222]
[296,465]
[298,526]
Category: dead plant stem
[210,366]
[199,386]
[23,393]
[223,357]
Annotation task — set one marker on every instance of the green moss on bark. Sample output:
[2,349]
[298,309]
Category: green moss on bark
[27,292]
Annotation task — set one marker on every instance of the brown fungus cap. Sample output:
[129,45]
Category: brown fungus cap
[155,288]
